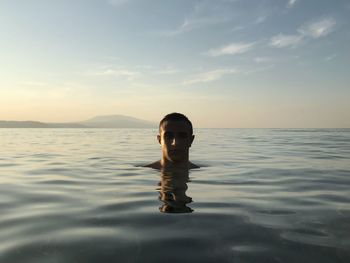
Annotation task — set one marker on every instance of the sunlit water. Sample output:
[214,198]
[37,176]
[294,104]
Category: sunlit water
[263,195]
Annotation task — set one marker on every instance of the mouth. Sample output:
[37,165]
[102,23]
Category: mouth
[175,152]
[176,155]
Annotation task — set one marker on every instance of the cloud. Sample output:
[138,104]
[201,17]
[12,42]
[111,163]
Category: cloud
[231,49]
[317,29]
[281,41]
[229,1]
[118,3]
[291,3]
[123,73]
[190,24]
[130,73]
[260,60]
[331,57]
[210,76]
[237,28]
[33,83]
[204,14]
[167,71]
[260,19]
[161,70]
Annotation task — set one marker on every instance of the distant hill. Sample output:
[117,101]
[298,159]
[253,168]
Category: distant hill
[106,121]
[23,124]
[117,121]
[37,124]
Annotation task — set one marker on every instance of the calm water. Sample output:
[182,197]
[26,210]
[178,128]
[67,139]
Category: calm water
[264,195]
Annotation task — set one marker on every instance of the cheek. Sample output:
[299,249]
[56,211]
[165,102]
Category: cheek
[186,142]
[165,143]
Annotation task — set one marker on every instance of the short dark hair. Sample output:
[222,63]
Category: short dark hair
[175,116]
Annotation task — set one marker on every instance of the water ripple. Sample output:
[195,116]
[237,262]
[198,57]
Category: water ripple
[263,195]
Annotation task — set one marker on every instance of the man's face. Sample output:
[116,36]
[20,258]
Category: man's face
[175,138]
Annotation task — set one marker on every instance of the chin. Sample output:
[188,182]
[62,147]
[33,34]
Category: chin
[176,159]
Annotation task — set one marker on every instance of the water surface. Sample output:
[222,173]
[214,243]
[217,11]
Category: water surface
[262,195]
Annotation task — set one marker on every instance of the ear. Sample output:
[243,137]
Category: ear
[192,138]
[158,138]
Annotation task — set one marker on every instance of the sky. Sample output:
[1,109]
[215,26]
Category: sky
[223,63]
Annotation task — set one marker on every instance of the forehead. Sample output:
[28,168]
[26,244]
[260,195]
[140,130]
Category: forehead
[175,126]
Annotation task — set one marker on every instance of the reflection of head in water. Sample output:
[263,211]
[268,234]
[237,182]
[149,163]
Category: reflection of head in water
[172,191]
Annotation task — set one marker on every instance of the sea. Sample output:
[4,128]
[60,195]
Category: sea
[261,195]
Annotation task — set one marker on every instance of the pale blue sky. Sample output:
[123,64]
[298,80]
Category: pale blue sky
[224,63]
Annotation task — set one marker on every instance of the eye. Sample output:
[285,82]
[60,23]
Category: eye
[183,135]
[168,135]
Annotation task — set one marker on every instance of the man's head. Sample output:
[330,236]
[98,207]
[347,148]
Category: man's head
[175,137]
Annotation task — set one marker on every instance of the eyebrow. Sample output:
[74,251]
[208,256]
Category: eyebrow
[170,133]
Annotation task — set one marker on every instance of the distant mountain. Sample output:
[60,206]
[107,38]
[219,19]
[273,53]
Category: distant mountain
[37,124]
[23,124]
[117,121]
[106,121]
[66,125]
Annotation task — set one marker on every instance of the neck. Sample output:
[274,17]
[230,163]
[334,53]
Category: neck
[165,163]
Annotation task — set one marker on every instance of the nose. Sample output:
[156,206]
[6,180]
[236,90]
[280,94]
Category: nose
[173,142]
